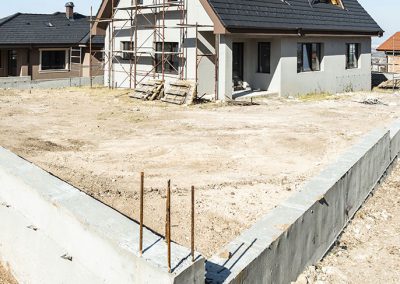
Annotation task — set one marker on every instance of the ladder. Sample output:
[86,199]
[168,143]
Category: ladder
[76,60]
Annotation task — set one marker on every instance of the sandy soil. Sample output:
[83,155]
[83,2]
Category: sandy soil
[5,276]
[242,160]
[369,249]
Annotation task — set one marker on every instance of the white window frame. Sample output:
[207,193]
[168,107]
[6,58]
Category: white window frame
[54,70]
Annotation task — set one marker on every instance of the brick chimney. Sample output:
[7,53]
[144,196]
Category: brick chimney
[69,10]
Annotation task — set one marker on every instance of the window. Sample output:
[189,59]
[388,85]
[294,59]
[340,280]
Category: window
[332,2]
[53,60]
[1,60]
[352,55]
[309,57]
[264,57]
[171,64]
[128,47]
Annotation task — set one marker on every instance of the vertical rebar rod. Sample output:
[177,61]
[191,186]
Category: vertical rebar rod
[168,235]
[193,226]
[141,212]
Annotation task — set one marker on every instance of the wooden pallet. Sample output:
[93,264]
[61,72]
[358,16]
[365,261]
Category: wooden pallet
[390,84]
[180,92]
[149,90]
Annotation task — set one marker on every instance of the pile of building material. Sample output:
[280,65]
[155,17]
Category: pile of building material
[390,84]
[180,92]
[149,90]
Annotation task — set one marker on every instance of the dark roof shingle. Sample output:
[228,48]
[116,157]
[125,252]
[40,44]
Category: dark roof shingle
[294,15]
[43,29]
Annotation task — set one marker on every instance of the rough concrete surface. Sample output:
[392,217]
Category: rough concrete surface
[244,161]
[369,249]
[24,83]
[300,231]
[44,218]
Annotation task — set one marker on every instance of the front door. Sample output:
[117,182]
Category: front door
[237,63]
[12,63]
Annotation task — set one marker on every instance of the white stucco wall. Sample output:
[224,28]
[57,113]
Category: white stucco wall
[261,81]
[284,78]
[333,77]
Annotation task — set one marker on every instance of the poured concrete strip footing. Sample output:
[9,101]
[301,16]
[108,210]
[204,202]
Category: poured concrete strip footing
[55,233]
[300,231]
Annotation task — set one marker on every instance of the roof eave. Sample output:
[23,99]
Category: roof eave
[302,32]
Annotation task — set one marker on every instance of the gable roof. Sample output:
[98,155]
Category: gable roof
[105,11]
[393,43]
[288,16]
[20,29]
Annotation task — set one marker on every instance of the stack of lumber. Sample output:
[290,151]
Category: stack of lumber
[180,92]
[149,90]
[390,84]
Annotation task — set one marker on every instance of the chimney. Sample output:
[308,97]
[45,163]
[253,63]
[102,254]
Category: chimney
[69,10]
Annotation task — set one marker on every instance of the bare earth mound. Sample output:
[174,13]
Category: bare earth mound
[6,277]
[243,161]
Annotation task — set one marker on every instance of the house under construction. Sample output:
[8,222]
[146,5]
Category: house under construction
[229,46]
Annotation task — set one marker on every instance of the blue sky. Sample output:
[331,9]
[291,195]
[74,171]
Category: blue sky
[385,12]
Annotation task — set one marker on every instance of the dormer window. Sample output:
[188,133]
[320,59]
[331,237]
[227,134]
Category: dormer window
[332,2]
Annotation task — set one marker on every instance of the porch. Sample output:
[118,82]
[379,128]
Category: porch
[14,62]
[248,66]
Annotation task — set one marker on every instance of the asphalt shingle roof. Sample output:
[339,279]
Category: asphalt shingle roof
[294,15]
[43,29]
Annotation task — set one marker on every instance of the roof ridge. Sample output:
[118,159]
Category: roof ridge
[48,14]
[8,18]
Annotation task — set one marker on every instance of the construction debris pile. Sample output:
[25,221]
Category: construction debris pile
[177,92]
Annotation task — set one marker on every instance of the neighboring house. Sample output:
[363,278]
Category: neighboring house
[391,47]
[287,47]
[47,46]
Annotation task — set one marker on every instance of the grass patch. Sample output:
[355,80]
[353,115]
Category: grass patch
[312,97]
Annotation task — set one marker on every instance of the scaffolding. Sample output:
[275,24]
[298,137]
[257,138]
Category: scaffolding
[152,18]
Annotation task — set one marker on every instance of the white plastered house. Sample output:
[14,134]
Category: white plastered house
[287,47]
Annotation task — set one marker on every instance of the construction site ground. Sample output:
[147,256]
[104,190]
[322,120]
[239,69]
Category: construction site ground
[369,249]
[5,276]
[243,160]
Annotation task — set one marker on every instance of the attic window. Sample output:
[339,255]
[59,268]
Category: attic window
[332,2]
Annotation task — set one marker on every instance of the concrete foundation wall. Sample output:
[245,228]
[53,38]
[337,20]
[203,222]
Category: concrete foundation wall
[24,83]
[103,244]
[301,230]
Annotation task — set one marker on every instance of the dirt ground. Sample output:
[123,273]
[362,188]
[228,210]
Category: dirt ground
[369,249]
[5,276]
[243,161]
